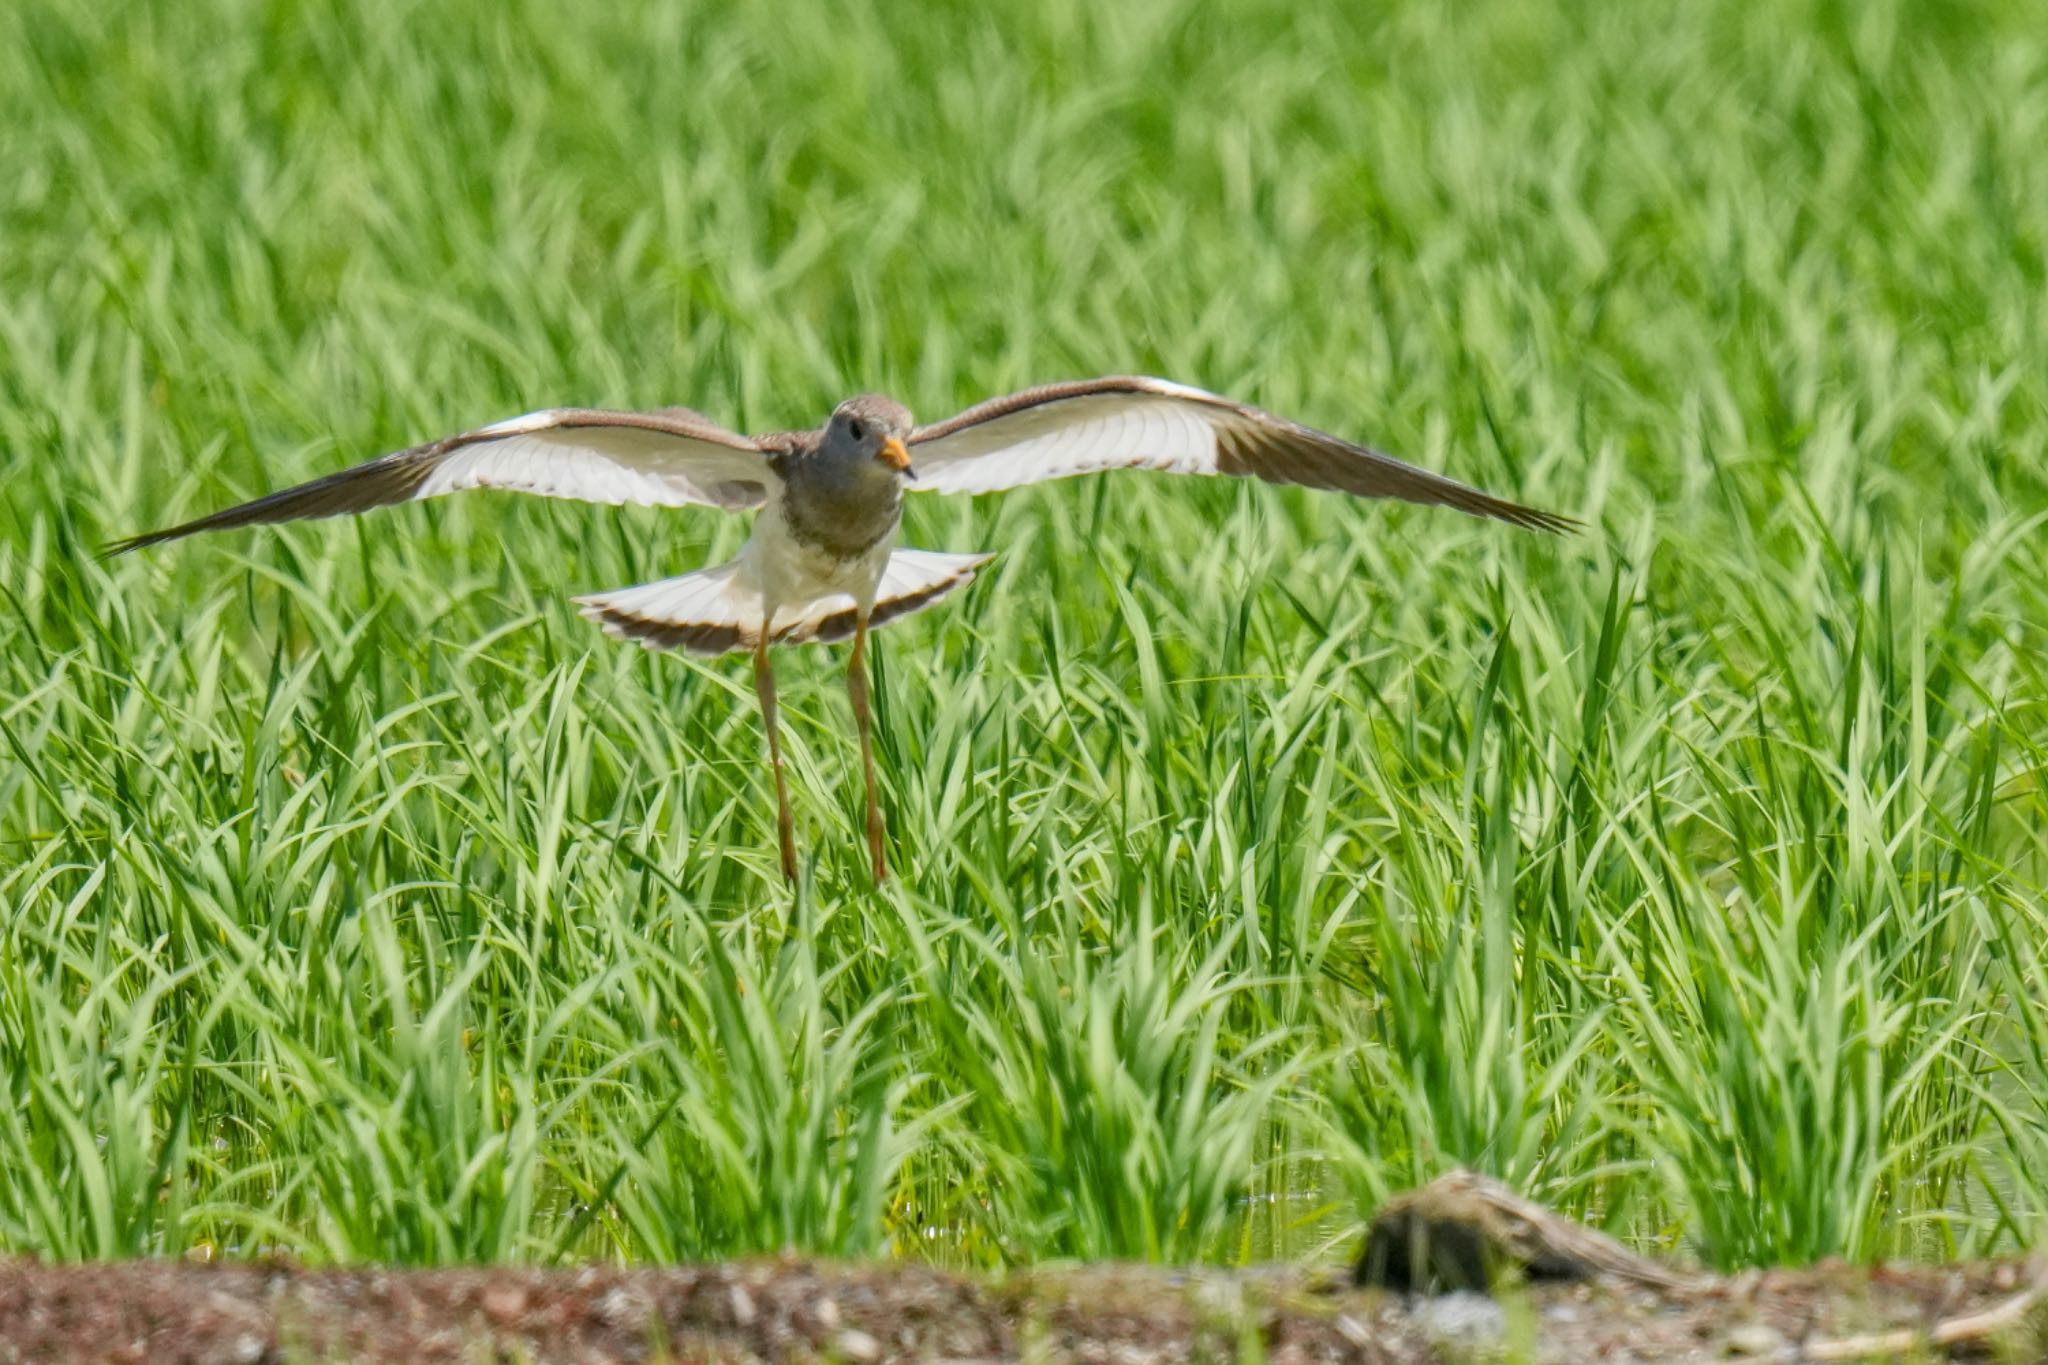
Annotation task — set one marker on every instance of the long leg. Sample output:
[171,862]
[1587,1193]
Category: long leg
[857,687]
[785,824]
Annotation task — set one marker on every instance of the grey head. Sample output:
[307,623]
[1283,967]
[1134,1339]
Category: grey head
[869,426]
[843,487]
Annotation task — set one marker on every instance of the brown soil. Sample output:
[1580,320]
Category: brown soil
[795,1309]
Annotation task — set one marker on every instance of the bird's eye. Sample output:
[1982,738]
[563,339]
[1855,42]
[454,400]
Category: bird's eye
[856,430]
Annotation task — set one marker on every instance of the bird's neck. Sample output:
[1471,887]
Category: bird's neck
[845,507]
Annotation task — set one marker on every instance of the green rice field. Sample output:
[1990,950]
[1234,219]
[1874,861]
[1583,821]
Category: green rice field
[1261,852]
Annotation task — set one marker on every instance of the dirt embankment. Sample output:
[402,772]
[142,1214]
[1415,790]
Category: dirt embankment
[776,1310]
[1462,1269]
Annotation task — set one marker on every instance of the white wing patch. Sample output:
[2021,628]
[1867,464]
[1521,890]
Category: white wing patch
[711,607]
[1072,436]
[525,421]
[598,464]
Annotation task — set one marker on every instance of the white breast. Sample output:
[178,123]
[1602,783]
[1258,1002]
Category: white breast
[793,576]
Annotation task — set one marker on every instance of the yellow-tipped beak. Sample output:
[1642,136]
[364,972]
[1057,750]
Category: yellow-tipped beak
[897,456]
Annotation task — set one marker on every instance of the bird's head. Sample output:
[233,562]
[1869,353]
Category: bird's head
[872,427]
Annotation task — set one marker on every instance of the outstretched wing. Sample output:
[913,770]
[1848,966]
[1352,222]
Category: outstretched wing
[671,458]
[1139,423]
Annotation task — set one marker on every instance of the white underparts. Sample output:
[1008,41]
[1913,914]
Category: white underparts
[716,610]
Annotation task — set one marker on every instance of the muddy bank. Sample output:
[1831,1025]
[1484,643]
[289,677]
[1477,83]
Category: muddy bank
[795,1309]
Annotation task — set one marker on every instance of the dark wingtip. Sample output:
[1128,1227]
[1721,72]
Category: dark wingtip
[1529,518]
[114,549]
[1552,523]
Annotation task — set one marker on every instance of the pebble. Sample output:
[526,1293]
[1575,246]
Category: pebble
[504,1302]
[620,1308]
[855,1344]
[1463,1316]
[1755,1339]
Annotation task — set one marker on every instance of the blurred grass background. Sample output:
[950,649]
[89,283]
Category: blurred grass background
[1263,852]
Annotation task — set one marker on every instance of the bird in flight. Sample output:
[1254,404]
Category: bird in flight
[821,562]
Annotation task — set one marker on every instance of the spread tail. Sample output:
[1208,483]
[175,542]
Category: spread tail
[716,610]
